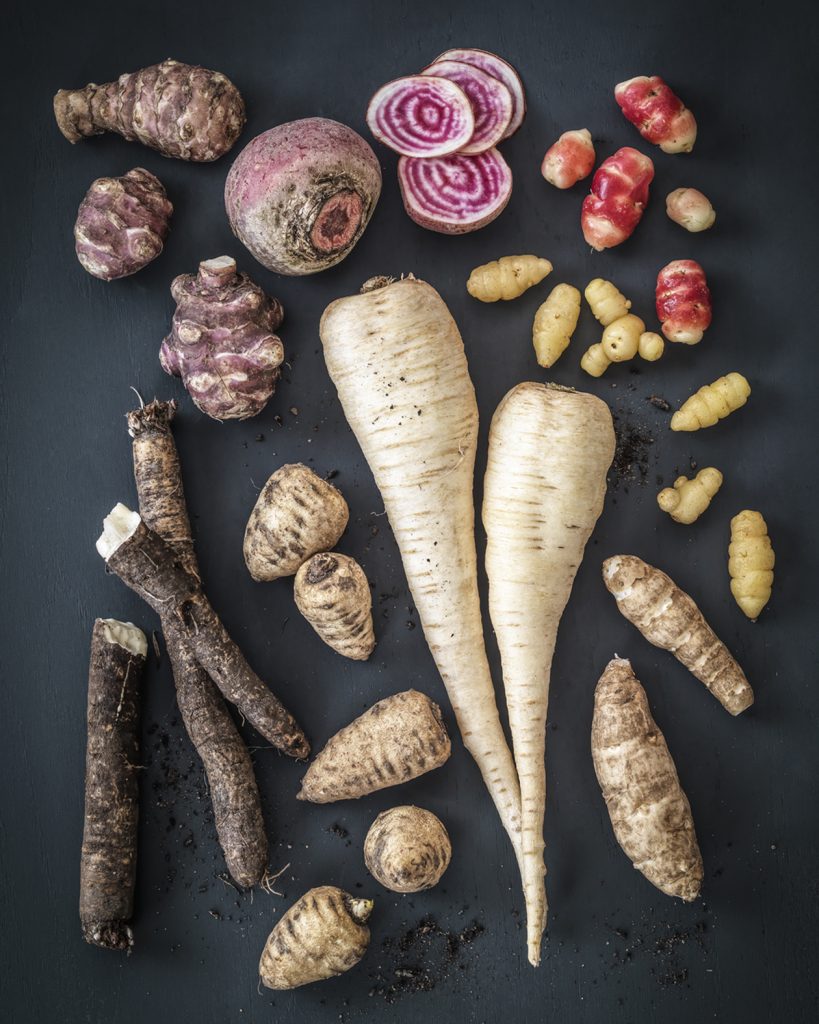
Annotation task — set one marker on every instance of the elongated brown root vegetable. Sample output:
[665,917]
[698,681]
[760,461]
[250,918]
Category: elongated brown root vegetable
[145,563]
[398,739]
[549,451]
[322,935]
[237,809]
[668,618]
[397,360]
[109,841]
[649,811]
[333,594]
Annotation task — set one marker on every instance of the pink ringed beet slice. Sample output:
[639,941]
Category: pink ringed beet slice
[498,68]
[421,116]
[455,194]
[489,98]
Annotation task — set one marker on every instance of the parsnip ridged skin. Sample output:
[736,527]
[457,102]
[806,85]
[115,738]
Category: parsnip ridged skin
[296,515]
[397,360]
[606,301]
[333,594]
[398,739]
[712,403]
[407,849]
[750,562]
[686,501]
[555,323]
[668,618]
[507,278]
[549,451]
[321,936]
[649,811]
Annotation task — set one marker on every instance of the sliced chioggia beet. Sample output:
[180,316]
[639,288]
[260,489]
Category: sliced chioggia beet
[489,98]
[498,68]
[421,115]
[455,194]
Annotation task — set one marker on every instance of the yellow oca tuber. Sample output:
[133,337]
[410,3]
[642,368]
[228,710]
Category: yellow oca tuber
[712,403]
[507,278]
[686,501]
[620,342]
[750,562]
[554,324]
[650,347]
[607,302]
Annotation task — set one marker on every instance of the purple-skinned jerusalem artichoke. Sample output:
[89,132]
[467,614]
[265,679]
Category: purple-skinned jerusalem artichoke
[182,111]
[122,224]
[222,341]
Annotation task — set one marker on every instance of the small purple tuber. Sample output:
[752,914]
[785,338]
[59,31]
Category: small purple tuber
[223,342]
[122,224]
[181,110]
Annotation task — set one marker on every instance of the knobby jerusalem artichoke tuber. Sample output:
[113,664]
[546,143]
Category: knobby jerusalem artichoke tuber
[407,849]
[712,403]
[122,224]
[222,341]
[555,323]
[507,278]
[181,110]
[686,501]
[750,562]
[333,594]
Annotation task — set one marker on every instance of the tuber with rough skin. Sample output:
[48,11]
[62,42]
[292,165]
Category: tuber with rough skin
[569,160]
[507,278]
[657,113]
[683,301]
[554,324]
[321,936]
[300,195]
[712,403]
[496,66]
[649,811]
[407,849]
[689,208]
[109,841]
[223,342]
[333,594]
[296,515]
[750,562]
[606,301]
[398,739]
[686,501]
[619,193]
[122,224]
[668,618]
[489,98]
[178,109]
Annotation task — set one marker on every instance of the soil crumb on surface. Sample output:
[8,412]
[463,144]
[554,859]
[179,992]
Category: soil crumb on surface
[633,453]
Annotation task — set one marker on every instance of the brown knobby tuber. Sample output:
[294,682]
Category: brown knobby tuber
[178,109]
[333,594]
[223,342]
[407,849]
[122,224]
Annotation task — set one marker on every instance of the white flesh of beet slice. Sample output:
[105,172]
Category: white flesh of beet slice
[498,68]
[455,194]
[421,115]
[491,102]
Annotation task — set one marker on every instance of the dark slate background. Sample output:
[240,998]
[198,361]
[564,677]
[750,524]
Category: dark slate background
[617,950]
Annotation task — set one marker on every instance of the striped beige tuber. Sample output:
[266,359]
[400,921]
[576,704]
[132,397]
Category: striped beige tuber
[407,849]
[333,594]
[750,562]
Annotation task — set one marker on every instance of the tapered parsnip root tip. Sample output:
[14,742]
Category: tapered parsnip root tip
[649,811]
[333,594]
[109,844]
[712,403]
[688,499]
[398,739]
[507,278]
[668,618]
[296,515]
[549,452]
[750,562]
[555,323]
[321,936]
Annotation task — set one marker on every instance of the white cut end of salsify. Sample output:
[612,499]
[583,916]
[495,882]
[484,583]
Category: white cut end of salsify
[125,634]
[117,527]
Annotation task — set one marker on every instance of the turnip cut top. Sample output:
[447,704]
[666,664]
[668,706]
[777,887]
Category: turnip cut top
[498,68]
[455,194]
[421,116]
[489,98]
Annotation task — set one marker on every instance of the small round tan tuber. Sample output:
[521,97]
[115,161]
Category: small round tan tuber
[689,208]
[650,347]
[333,594]
[686,501]
[621,339]
[407,849]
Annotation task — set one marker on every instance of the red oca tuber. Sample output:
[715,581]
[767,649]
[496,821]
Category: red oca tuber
[570,159]
[222,341]
[657,113]
[683,301]
[122,224]
[619,193]
[183,111]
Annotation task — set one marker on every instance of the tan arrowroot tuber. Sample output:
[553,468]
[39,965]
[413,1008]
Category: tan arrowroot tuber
[321,936]
[650,346]
[689,208]
[554,324]
[686,501]
[750,562]
[333,594]
[296,515]
[606,301]
[712,403]
[649,811]
[621,339]
[668,618]
[407,849]
[507,278]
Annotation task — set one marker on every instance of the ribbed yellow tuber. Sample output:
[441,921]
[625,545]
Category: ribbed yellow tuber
[750,562]
[507,278]
[554,324]
[686,501]
[712,403]
[595,361]
[650,347]
[621,339]
[607,302]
